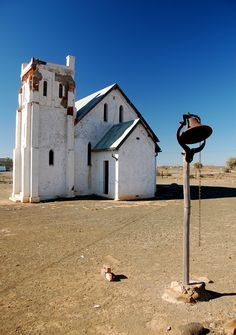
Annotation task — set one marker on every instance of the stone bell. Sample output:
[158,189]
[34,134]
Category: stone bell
[195,132]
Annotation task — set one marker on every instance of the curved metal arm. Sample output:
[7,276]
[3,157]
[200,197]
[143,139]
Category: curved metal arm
[189,152]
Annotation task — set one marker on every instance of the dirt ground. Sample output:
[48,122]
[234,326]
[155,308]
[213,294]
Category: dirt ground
[52,253]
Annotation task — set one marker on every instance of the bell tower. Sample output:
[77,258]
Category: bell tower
[43,156]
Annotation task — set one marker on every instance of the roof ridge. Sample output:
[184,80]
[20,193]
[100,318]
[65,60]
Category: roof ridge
[96,92]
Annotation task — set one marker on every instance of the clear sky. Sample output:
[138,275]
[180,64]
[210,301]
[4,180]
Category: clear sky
[170,57]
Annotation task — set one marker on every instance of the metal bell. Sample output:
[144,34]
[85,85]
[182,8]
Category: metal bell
[195,132]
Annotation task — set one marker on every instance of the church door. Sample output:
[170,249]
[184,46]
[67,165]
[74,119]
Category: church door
[105,177]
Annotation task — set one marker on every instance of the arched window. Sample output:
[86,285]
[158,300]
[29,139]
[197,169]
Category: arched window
[51,157]
[89,155]
[45,88]
[121,112]
[105,113]
[60,90]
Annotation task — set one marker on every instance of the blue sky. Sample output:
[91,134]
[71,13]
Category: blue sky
[170,57]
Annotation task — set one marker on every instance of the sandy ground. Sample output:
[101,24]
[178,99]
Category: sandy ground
[52,253]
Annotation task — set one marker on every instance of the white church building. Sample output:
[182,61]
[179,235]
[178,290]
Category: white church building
[99,145]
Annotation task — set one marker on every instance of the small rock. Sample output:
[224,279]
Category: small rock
[97,306]
[230,327]
[105,269]
[168,328]
[106,272]
[179,293]
[174,297]
[109,276]
[193,328]
[177,286]
[186,298]
[212,325]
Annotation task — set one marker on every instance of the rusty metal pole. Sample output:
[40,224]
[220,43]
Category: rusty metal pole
[186,222]
[194,133]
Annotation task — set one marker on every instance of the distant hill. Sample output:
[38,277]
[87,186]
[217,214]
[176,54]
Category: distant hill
[7,162]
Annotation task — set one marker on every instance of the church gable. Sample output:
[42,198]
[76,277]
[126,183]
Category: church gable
[109,106]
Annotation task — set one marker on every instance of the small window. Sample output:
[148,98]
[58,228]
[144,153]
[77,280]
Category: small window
[121,112]
[60,90]
[89,155]
[105,113]
[45,88]
[51,157]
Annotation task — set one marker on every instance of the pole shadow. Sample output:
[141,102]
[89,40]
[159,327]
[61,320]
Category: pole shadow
[211,295]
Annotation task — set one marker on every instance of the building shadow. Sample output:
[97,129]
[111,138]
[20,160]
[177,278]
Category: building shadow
[76,198]
[166,192]
[175,191]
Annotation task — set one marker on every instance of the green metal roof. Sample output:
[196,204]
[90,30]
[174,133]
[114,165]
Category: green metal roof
[115,135]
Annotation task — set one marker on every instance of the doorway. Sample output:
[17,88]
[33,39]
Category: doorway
[105,177]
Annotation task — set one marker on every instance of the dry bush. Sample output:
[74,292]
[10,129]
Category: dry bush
[231,163]
[226,170]
[197,165]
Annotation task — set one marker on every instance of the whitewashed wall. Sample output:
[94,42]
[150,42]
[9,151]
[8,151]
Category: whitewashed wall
[98,173]
[137,166]
[91,129]
[52,136]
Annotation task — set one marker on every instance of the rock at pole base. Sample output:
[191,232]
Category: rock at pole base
[178,293]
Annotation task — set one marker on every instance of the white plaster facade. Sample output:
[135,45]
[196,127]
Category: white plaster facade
[59,150]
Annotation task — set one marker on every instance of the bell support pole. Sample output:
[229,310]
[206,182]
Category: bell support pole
[187,291]
[186,223]
[192,134]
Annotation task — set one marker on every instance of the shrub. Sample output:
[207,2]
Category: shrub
[231,163]
[198,166]
[226,170]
